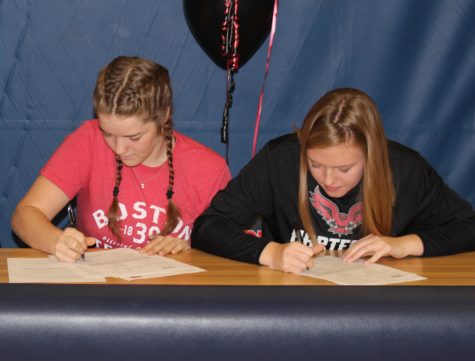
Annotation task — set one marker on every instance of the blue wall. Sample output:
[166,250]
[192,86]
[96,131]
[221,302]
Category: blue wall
[415,58]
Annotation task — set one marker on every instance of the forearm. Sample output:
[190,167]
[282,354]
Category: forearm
[267,254]
[408,245]
[219,236]
[449,239]
[34,228]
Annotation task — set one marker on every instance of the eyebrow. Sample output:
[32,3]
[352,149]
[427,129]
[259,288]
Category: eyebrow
[336,166]
[127,136]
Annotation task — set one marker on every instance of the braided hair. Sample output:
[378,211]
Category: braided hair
[130,86]
[113,214]
[173,212]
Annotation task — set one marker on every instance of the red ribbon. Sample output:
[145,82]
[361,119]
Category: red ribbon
[261,96]
[230,34]
[229,50]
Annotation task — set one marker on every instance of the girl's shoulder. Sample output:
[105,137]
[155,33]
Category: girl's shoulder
[88,129]
[285,147]
[403,156]
[190,151]
[410,169]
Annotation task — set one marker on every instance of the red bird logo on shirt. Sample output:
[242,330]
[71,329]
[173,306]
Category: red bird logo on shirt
[340,223]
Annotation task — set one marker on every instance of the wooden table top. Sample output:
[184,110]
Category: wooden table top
[455,270]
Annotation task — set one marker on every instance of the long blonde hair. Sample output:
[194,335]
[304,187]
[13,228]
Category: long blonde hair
[135,86]
[342,116]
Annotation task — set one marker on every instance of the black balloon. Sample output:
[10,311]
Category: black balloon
[205,19]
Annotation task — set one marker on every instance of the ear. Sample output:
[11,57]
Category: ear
[167,114]
[161,121]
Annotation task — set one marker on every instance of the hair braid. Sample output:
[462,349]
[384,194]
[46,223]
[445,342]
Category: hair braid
[173,212]
[113,213]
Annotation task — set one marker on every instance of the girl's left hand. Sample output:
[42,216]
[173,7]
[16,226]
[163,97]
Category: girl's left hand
[163,245]
[381,246]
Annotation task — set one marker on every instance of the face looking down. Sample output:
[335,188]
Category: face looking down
[338,169]
[134,139]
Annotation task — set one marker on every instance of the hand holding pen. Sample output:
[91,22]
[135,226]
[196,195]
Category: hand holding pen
[293,257]
[73,223]
[71,243]
[299,238]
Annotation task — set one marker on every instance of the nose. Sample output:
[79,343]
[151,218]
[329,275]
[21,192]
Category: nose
[329,177]
[119,145]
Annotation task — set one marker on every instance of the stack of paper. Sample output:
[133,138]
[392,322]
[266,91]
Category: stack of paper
[129,264]
[40,270]
[122,263]
[333,269]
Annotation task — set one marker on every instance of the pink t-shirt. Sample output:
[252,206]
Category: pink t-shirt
[84,166]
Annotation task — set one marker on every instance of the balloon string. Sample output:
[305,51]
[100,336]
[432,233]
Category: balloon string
[229,50]
[230,85]
[230,34]
[261,96]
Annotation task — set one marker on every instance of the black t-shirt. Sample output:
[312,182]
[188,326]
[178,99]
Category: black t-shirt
[337,221]
[268,187]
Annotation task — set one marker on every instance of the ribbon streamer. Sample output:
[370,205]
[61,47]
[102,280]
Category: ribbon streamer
[229,50]
[261,96]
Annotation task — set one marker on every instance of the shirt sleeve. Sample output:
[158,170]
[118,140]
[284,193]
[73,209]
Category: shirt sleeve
[219,180]
[69,166]
[443,220]
[220,229]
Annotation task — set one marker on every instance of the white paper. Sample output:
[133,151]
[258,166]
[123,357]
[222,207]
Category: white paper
[122,263]
[47,270]
[333,269]
[129,264]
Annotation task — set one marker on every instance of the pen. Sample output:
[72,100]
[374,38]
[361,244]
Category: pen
[298,234]
[72,223]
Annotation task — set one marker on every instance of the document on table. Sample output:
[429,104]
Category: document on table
[47,270]
[333,269]
[129,264]
[122,263]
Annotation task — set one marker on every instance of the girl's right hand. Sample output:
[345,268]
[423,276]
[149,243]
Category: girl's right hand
[71,244]
[291,257]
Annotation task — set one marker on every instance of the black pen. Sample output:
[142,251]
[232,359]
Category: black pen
[72,223]
[298,235]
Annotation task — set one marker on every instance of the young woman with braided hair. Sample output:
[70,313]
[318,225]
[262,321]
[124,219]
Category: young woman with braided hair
[138,183]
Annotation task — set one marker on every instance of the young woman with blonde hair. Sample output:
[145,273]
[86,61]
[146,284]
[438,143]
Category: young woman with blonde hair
[139,184]
[337,183]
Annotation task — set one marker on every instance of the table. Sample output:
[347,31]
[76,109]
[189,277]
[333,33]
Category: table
[455,270]
[238,311]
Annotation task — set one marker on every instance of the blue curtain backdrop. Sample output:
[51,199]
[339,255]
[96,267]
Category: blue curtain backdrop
[415,58]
